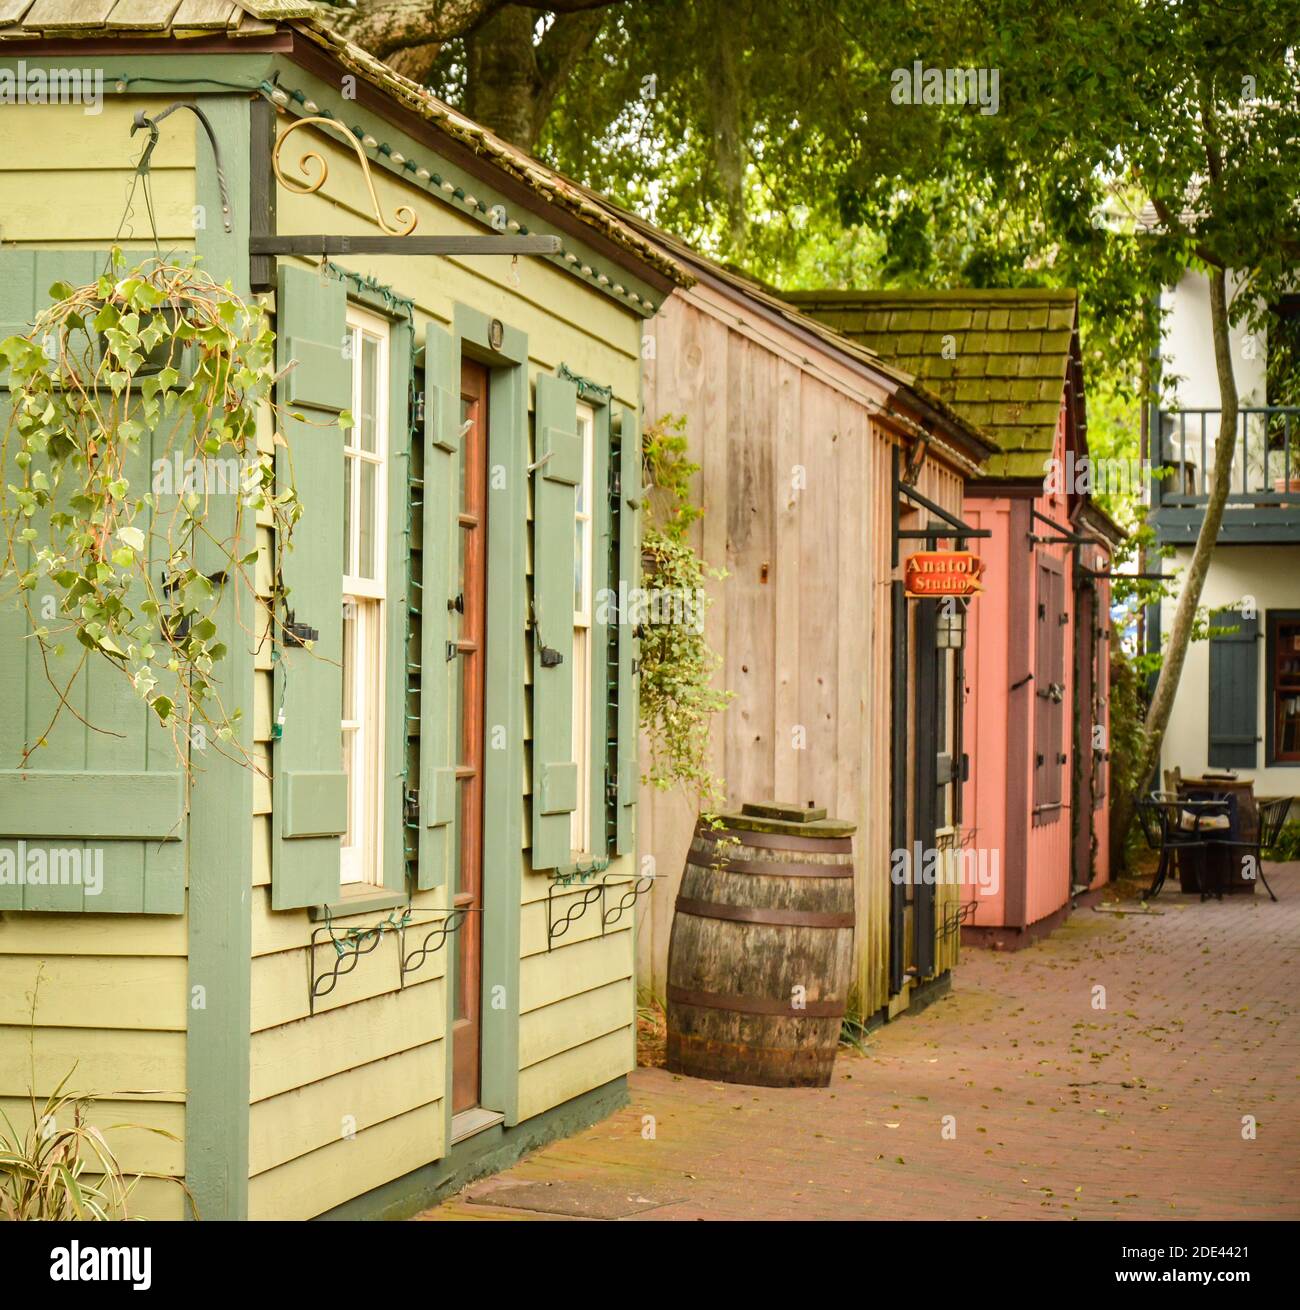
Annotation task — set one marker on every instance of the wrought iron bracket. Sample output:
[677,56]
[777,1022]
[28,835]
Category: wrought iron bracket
[956,915]
[350,944]
[559,920]
[442,927]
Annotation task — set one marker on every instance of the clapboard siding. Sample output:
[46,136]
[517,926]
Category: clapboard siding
[795,484]
[371,1041]
[347,1167]
[111,1008]
[66,175]
[137,1149]
[306,1051]
[290,1125]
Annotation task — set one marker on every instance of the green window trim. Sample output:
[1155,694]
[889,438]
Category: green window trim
[504,349]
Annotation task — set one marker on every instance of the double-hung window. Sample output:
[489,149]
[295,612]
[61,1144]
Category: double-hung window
[582,608]
[365,453]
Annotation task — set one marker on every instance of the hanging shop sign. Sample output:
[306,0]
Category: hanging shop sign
[943,573]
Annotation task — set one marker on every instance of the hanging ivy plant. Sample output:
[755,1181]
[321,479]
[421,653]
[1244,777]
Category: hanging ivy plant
[678,698]
[134,401]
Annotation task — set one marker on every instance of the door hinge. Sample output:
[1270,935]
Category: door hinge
[298,634]
[452,652]
[410,804]
[615,486]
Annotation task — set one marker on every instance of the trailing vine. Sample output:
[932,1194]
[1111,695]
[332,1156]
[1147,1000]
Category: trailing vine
[135,401]
[678,665]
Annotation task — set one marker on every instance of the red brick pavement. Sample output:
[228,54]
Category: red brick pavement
[1061,1110]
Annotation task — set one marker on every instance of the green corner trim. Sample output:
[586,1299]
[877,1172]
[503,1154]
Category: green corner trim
[218,1034]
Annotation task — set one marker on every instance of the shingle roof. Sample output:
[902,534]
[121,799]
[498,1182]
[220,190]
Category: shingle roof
[26,20]
[999,358]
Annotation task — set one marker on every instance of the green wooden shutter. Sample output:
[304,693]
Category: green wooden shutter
[95,806]
[629,572]
[310,793]
[1234,693]
[437,672]
[558,470]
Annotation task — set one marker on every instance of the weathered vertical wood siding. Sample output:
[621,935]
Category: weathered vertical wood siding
[795,481]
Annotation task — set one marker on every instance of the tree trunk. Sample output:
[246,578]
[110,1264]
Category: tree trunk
[1175,652]
[503,85]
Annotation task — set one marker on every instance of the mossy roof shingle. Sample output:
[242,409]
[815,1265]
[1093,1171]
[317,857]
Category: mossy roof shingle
[999,358]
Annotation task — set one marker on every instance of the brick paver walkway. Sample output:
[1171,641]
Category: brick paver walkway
[1060,1109]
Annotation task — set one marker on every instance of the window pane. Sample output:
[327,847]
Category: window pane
[349,659]
[348,553]
[579,568]
[466,409]
[349,752]
[367,418]
[366,519]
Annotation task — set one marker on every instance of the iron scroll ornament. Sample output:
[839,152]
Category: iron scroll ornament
[312,162]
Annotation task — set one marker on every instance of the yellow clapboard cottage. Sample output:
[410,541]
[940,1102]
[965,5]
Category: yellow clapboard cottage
[399,950]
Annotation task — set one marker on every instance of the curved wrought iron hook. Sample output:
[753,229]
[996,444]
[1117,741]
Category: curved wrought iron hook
[404,213]
[143,120]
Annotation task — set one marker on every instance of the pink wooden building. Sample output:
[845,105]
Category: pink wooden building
[1036,667]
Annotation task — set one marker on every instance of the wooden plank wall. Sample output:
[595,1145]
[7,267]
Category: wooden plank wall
[112,998]
[795,484]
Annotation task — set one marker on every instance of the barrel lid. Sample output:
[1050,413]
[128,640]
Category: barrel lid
[789,818]
[789,811]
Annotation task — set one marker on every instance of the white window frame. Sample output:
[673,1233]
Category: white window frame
[580,830]
[365,600]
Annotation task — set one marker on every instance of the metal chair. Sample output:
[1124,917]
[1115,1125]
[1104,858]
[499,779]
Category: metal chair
[1160,815]
[1272,815]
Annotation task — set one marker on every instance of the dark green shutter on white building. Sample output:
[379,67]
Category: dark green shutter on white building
[310,803]
[1234,693]
[438,671]
[557,472]
[111,803]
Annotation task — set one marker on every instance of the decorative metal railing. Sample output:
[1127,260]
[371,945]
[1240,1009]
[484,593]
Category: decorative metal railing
[1265,457]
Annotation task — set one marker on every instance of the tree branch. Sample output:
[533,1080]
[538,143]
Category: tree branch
[385,26]
[562,49]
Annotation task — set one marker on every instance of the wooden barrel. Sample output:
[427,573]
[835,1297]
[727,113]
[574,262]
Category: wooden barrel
[761,951]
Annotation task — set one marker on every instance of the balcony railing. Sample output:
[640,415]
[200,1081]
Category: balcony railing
[1265,458]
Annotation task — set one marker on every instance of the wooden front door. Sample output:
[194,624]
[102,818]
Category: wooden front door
[468,858]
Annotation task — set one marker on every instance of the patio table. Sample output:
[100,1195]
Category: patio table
[1210,867]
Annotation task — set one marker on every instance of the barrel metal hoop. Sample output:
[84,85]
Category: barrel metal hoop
[767,868]
[757,914]
[775,842]
[756,1004]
